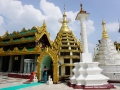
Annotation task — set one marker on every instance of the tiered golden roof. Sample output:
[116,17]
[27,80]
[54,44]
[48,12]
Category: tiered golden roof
[25,36]
[65,35]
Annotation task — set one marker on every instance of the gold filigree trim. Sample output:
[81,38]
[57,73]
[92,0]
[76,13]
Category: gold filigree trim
[9,51]
[16,49]
[22,39]
[24,49]
[37,48]
[1,50]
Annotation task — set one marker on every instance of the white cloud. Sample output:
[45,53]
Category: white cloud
[73,25]
[90,27]
[112,26]
[1,20]
[2,31]
[91,47]
[19,16]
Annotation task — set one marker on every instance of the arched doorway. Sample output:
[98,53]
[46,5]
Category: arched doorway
[51,54]
[46,62]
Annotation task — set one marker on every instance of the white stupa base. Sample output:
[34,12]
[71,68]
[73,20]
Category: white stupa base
[111,71]
[49,82]
[87,73]
[73,80]
[90,74]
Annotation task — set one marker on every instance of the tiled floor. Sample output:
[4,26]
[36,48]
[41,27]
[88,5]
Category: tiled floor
[7,82]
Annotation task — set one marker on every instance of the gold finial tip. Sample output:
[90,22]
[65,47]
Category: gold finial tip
[104,32]
[44,24]
[64,11]
[64,7]
[81,9]
[81,5]
[103,22]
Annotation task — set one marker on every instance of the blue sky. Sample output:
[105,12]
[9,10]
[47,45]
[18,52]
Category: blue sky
[16,14]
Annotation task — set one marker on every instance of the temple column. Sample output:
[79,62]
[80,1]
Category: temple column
[28,67]
[21,64]
[35,63]
[83,34]
[1,63]
[10,64]
[24,67]
[32,66]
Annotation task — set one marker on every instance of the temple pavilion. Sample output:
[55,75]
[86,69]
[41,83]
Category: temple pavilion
[19,50]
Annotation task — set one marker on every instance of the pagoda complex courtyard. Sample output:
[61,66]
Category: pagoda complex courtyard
[32,51]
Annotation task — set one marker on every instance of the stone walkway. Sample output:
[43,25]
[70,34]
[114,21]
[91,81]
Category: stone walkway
[7,82]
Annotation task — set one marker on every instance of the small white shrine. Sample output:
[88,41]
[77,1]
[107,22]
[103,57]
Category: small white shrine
[107,56]
[49,81]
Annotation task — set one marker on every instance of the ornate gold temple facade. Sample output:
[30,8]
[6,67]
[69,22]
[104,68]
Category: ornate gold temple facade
[30,50]
[19,51]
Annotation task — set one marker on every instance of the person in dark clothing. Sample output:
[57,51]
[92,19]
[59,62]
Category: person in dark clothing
[45,75]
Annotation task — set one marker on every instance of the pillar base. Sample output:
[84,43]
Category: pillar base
[99,87]
[70,85]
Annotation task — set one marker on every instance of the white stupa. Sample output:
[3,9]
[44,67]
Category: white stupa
[86,73]
[107,56]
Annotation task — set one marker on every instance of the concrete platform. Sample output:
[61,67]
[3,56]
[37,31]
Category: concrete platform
[7,82]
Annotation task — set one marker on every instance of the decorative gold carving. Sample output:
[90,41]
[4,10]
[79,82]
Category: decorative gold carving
[29,39]
[16,58]
[23,30]
[1,50]
[37,49]
[33,28]
[40,32]
[8,51]
[52,53]
[14,32]
[16,49]
[17,34]
[0,38]
[22,39]
[5,34]
[24,49]
[11,40]
[17,52]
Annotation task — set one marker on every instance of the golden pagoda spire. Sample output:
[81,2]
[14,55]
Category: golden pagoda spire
[104,32]
[64,16]
[64,21]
